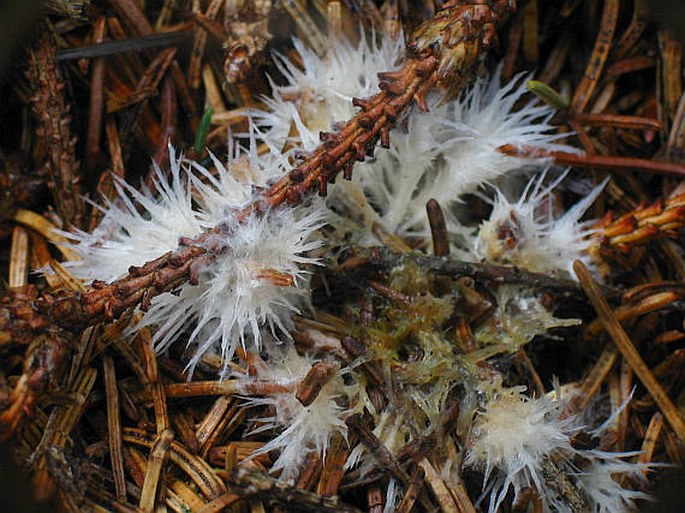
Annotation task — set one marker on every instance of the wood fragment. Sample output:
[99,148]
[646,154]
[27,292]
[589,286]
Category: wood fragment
[314,381]
[630,311]
[412,492]
[54,119]
[671,72]
[310,473]
[617,121]
[439,234]
[213,92]
[165,14]
[383,258]
[652,435]
[47,229]
[185,430]
[144,340]
[19,258]
[333,467]
[223,411]
[196,468]
[220,503]
[557,58]
[114,427]
[307,26]
[376,448]
[627,349]
[66,279]
[597,60]
[96,103]
[199,44]
[632,34]
[191,499]
[153,473]
[608,163]
[334,17]
[375,499]
[438,487]
[273,491]
[531,30]
[131,12]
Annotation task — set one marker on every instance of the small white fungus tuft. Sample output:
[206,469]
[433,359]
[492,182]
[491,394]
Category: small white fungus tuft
[320,94]
[454,149]
[512,438]
[138,226]
[443,154]
[519,442]
[529,234]
[304,430]
[598,481]
[258,281]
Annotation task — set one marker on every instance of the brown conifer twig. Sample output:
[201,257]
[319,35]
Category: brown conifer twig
[611,163]
[382,258]
[53,115]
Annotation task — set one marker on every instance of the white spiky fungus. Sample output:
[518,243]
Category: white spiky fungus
[510,441]
[258,281]
[529,234]
[257,278]
[520,442]
[454,149]
[231,187]
[320,94]
[443,154]
[597,481]
[138,226]
[304,430]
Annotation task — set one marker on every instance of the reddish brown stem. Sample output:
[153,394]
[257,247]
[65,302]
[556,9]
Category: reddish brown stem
[617,121]
[608,163]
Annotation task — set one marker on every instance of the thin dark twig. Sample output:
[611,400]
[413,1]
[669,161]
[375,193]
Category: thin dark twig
[384,258]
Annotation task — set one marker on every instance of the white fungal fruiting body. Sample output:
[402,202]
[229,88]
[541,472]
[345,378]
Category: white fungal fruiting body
[454,149]
[231,187]
[138,226]
[519,442]
[257,281]
[608,496]
[443,154]
[529,234]
[304,430]
[511,439]
[256,276]
[320,94]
